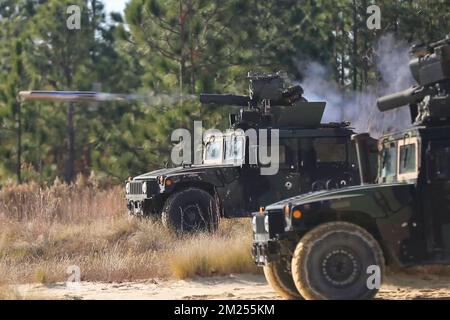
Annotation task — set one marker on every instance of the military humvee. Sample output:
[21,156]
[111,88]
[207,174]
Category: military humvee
[335,244]
[312,156]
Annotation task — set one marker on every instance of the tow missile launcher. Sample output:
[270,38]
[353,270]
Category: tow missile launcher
[429,100]
[270,104]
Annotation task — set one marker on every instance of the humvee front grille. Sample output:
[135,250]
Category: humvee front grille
[276,222]
[135,187]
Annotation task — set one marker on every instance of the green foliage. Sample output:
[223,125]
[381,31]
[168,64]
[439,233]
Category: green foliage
[168,47]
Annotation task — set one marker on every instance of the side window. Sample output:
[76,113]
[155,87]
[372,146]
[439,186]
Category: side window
[407,159]
[407,163]
[329,150]
[282,154]
[287,156]
[388,161]
[440,162]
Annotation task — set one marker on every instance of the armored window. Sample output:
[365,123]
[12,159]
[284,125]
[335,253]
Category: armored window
[234,149]
[287,150]
[407,159]
[440,161]
[213,150]
[282,157]
[330,150]
[442,164]
[407,162]
[388,161]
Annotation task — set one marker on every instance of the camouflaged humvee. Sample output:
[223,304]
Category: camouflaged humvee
[312,156]
[335,244]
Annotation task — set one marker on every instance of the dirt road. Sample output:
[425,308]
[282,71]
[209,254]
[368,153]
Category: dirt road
[232,287]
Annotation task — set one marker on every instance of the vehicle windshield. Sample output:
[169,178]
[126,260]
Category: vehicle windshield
[213,150]
[388,161]
[234,149]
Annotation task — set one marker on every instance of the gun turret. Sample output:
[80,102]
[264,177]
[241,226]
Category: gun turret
[269,102]
[264,88]
[429,101]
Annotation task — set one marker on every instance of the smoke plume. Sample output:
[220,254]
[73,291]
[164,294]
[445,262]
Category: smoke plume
[359,108]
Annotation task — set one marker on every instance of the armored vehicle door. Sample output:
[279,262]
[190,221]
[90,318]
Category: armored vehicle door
[286,183]
[326,163]
[437,197]
[262,190]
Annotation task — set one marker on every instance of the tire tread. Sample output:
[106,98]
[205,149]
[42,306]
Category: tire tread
[299,273]
[277,284]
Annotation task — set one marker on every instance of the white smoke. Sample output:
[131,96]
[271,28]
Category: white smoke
[359,108]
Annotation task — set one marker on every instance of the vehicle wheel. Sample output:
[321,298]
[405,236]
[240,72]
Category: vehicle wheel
[281,281]
[191,210]
[331,261]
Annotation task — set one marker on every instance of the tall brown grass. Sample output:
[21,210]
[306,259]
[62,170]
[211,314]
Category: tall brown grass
[211,255]
[45,230]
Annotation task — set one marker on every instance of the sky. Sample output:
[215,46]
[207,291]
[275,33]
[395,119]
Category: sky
[115,5]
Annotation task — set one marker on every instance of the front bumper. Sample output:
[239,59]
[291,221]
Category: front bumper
[265,252]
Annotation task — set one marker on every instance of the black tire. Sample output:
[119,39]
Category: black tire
[281,281]
[191,210]
[331,261]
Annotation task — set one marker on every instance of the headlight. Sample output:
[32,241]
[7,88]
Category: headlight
[287,210]
[266,223]
[127,188]
[144,188]
[254,225]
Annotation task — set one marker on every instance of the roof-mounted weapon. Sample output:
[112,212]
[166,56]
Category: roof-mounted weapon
[268,103]
[429,100]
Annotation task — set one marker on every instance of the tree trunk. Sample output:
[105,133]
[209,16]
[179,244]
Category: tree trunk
[365,51]
[182,58]
[70,165]
[343,50]
[355,46]
[19,144]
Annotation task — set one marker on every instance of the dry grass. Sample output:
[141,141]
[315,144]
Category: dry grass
[44,231]
[222,253]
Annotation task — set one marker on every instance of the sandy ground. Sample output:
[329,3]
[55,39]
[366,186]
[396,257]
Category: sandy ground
[233,287]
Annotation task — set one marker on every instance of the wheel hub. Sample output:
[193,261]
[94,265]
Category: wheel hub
[340,267]
[191,215]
